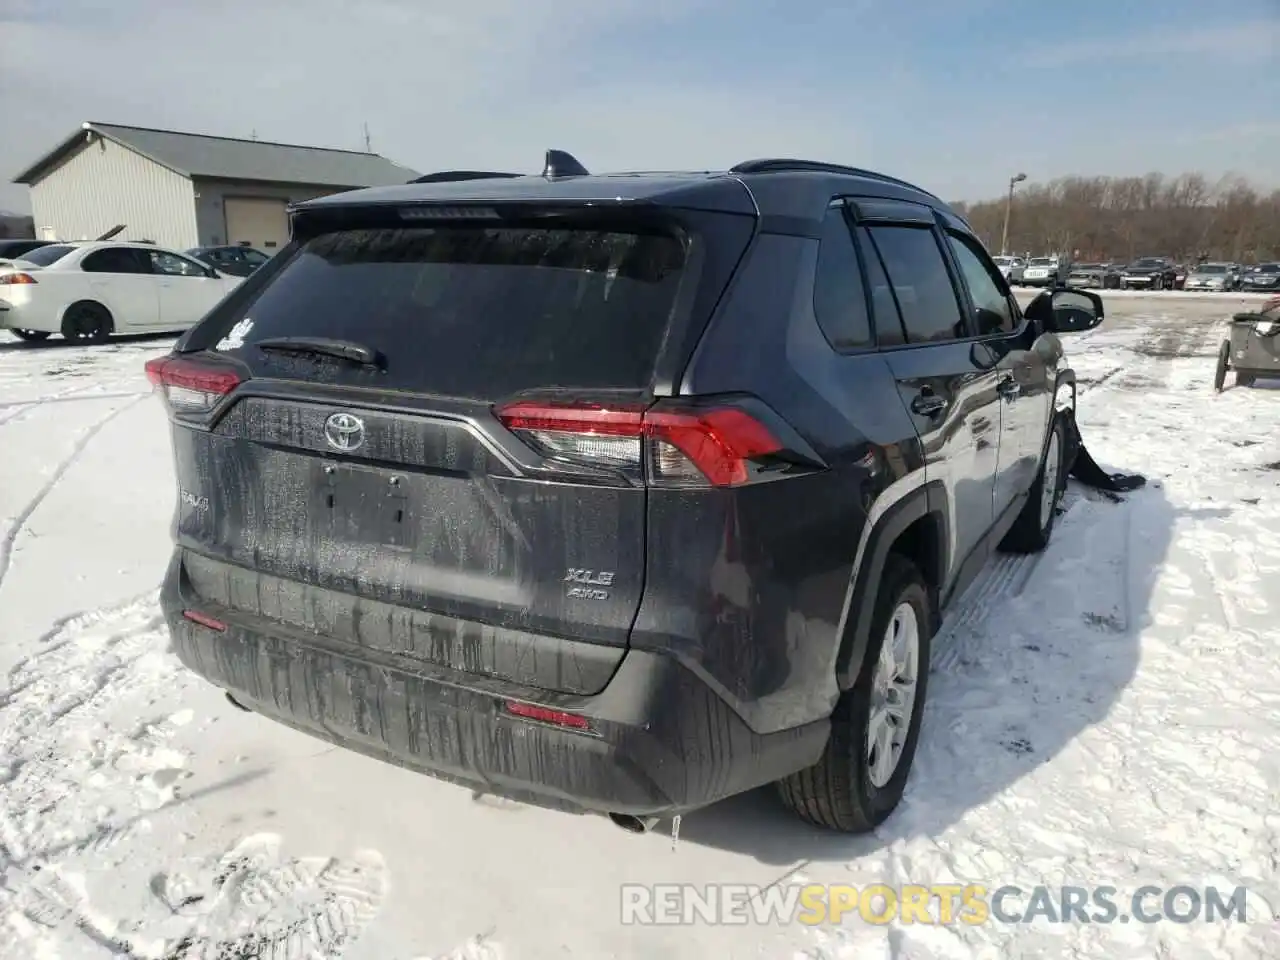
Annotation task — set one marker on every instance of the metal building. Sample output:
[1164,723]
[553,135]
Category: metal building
[186,190]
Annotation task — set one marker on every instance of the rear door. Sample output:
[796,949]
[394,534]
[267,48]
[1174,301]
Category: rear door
[120,278]
[946,380]
[475,536]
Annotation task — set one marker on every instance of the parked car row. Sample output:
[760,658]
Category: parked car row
[1144,273]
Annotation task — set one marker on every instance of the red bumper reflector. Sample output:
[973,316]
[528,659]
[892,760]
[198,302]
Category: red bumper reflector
[195,616]
[556,717]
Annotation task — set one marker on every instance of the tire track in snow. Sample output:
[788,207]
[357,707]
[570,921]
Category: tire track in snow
[20,521]
[72,397]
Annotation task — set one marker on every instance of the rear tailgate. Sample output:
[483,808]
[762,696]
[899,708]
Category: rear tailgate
[384,504]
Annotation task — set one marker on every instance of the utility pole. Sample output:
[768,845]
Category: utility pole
[253,134]
[367,147]
[1008,208]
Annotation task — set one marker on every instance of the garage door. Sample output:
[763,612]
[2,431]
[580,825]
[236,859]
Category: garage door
[259,223]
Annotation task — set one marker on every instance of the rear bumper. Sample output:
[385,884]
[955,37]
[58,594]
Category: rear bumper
[660,742]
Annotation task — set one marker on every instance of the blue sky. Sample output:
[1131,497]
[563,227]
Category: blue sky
[956,95]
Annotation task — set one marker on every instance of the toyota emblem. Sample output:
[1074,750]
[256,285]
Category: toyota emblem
[344,432]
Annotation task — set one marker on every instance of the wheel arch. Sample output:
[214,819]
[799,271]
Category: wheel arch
[915,527]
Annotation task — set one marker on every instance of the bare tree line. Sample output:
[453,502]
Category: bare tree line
[1121,218]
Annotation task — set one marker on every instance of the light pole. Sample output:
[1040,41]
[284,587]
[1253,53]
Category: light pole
[1008,207]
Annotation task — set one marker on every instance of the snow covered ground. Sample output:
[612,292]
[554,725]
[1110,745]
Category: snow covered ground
[1107,713]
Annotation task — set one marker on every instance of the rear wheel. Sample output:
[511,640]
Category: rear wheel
[87,322]
[876,724]
[1157,283]
[31,336]
[1224,362]
[1030,533]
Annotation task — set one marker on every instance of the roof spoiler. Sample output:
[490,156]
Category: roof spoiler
[453,176]
[558,165]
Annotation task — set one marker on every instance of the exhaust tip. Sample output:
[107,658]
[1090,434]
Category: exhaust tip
[633,824]
[236,703]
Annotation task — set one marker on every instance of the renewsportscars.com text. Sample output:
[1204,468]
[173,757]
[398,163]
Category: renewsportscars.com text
[935,904]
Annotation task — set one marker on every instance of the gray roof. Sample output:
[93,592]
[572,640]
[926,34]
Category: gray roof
[197,155]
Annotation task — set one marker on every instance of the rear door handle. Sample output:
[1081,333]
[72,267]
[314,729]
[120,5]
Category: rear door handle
[1009,387]
[928,404]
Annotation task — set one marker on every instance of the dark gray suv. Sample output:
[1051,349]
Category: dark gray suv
[627,493]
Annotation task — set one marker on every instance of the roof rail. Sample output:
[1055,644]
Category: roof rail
[447,176]
[784,165]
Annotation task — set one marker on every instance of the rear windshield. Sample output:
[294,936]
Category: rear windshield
[480,312]
[43,256]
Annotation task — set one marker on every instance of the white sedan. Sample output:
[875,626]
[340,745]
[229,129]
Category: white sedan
[88,291]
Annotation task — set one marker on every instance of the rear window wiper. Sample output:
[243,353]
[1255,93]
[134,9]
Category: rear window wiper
[342,349]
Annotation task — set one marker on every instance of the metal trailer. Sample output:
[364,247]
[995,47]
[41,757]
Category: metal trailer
[1253,349]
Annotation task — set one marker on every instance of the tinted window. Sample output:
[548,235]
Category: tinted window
[920,282]
[992,311]
[254,257]
[115,260]
[884,307]
[482,312]
[47,255]
[839,300]
[172,265]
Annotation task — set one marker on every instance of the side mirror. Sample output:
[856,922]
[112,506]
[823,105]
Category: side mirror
[1073,311]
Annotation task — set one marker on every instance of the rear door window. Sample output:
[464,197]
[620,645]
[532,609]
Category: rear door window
[921,282]
[480,312]
[116,260]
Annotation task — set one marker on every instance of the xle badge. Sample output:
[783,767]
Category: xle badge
[587,583]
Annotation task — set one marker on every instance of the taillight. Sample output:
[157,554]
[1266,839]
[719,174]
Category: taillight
[191,386]
[17,279]
[717,446]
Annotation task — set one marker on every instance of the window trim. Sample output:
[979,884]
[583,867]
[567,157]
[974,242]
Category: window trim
[1018,314]
[842,205]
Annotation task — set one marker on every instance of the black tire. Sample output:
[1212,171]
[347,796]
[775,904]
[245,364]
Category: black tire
[87,322]
[1244,379]
[1123,285]
[1224,363]
[31,336]
[838,792]
[1030,533]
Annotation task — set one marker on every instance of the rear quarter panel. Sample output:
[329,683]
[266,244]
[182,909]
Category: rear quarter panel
[749,587]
